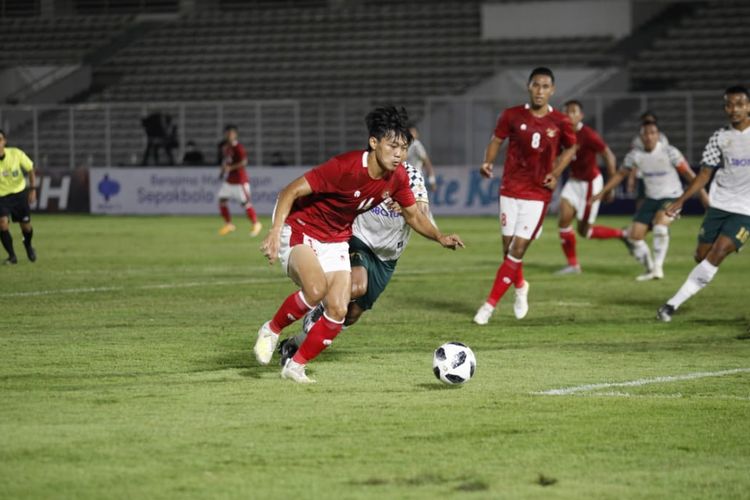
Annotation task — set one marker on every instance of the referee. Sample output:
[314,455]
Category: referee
[14,201]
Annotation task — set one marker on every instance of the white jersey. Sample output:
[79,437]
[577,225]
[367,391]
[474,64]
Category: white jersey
[416,154]
[385,231]
[659,170]
[728,151]
[637,142]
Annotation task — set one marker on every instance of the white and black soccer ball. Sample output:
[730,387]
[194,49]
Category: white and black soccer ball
[454,363]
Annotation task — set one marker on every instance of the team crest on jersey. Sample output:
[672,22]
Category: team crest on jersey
[551,133]
[357,193]
[523,126]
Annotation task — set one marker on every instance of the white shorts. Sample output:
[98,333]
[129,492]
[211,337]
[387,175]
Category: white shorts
[332,256]
[238,192]
[579,192]
[522,218]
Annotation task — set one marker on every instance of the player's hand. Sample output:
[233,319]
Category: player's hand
[609,197]
[550,182]
[673,209]
[32,196]
[432,183]
[393,206]
[486,170]
[594,199]
[270,246]
[451,241]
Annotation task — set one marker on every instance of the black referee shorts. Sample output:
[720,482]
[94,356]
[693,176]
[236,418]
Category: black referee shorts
[16,206]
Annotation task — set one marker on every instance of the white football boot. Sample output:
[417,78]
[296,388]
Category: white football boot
[266,344]
[569,270]
[521,304]
[483,315]
[295,371]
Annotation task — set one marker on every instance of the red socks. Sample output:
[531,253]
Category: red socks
[293,308]
[225,213]
[506,275]
[603,233]
[321,336]
[568,241]
[251,213]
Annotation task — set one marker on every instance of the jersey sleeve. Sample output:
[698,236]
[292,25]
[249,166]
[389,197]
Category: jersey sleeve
[631,160]
[597,143]
[416,183]
[322,179]
[25,162]
[403,195]
[712,152]
[502,128]
[675,157]
[241,153]
[419,149]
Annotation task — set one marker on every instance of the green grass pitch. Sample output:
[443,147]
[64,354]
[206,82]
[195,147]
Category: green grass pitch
[126,371]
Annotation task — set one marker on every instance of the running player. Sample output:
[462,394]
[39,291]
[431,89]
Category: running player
[726,226]
[585,181]
[14,201]
[312,224]
[379,238]
[236,184]
[659,166]
[532,167]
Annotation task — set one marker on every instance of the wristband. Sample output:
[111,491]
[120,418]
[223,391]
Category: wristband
[431,180]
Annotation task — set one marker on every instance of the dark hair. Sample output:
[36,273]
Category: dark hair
[386,121]
[2,132]
[573,102]
[229,127]
[646,123]
[737,89]
[648,116]
[541,70]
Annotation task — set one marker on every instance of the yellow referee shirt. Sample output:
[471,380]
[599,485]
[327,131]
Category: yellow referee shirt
[12,168]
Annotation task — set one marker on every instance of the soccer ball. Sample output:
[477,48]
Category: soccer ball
[454,363]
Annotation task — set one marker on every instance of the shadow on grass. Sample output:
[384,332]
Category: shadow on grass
[437,386]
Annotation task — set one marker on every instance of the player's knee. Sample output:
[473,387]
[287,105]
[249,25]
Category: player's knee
[583,231]
[336,311]
[358,289]
[315,293]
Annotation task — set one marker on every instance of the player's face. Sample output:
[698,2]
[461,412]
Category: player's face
[737,107]
[390,151]
[230,135]
[541,89]
[574,113]
[649,136]
[2,142]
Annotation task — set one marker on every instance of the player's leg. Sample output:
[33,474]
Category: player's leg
[661,242]
[306,271]
[28,233]
[567,235]
[636,234]
[226,192]
[729,233]
[21,213]
[586,226]
[325,329]
[247,203]
[6,238]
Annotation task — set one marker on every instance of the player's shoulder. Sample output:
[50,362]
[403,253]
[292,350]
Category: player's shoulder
[414,174]
[514,111]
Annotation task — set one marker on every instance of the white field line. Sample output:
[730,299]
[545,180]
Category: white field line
[638,383]
[676,395]
[155,286]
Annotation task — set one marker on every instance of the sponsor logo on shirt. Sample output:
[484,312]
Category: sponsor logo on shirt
[551,133]
[739,162]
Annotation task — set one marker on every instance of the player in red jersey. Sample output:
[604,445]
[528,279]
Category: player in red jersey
[535,133]
[236,184]
[585,181]
[312,224]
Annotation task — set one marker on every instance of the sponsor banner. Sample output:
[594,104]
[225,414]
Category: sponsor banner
[153,191]
[61,190]
[178,190]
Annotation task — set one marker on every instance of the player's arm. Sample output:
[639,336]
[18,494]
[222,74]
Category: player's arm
[632,180]
[612,183]
[490,154]
[698,183]
[610,162]
[687,173]
[295,189]
[561,163]
[430,171]
[422,224]
[236,165]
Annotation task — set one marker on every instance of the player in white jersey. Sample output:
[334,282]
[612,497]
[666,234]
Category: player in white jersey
[659,165]
[417,157]
[379,238]
[726,226]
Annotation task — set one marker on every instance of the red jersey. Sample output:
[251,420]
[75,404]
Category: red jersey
[584,166]
[532,148]
[342,189]
[234,153]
